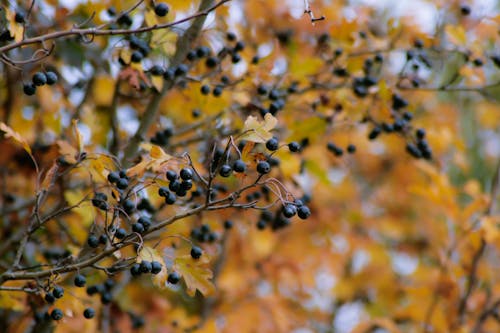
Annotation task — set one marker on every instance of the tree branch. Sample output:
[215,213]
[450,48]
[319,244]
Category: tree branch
[204,11]
[182,48]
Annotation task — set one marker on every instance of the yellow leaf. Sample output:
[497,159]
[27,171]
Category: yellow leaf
[195,275]
[456,34]
[151,254]
[10,133]
[78,136]
[103,87]
[49,178]
[157,82]
[67,151]
[150,18]
[257,131]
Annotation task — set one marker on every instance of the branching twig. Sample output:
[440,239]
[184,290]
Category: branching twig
[308,11]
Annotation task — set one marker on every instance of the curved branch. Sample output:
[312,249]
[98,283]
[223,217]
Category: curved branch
[97,32]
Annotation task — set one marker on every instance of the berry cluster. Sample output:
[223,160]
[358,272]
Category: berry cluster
[203,234]
[119,179]
[104,290]
[39,79]
[146,267]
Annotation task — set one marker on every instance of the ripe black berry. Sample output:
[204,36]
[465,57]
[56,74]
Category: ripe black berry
[124,20]
[39,79]
[163,191]
[174,185]
[173,278]
[420,133]
[136,56]
[205,89]
[477,62]
[239,46]
[120,233]
[374,133]
[109,284]
[231,36]
[236,58]
[49,298]
[106,298]
[93,241]
[289,211]
[145,266]
[80,280]
[19,17]
[155,267]
[239,166]
[337,151]
[263,167]
[170,198]
[211,62]
[191,56]
[135,270]
[56,314]
[161,9]
[122,184]
[51,78]
[303,212]
[92,290]
[225,170]
[186,185]
[294,146]
[181,70]
[58,292]
[413,150]
[196,252]
[171,175]
[137,227]
[465,10]
[186,174]
[351,149]
[145,221]
[398,102]
[29,89]
[89,313]
[272,144]
[113,177]
[261,224]
[228,224]
[217,91]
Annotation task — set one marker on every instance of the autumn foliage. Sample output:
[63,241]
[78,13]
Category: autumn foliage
[249,166]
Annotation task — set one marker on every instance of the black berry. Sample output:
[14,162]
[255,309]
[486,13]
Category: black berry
[303,212]
[120,233]
[51,78]
[56,314]
[239,166]
[173,278]
[58,292]
[39,79]
[80,280]
[29,89]
[289,211]
[113,177]
[136,56]
[93,241]
[155,267]
[263,167]
[272,144]
[89,313]
[294,146]
[161,9]
[19,17]
[196,252]
[225,170]
[186,174]
[145,266]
